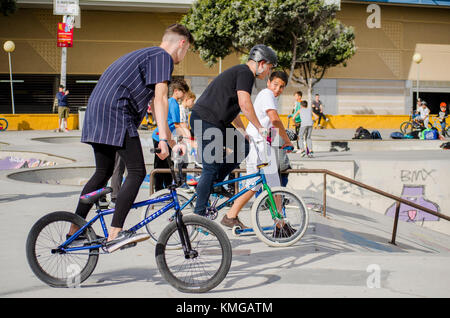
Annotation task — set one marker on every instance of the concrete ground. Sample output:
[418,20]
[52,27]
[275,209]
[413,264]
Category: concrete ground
[346,254]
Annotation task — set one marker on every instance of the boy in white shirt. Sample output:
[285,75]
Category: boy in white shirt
[306,129]
[266,109]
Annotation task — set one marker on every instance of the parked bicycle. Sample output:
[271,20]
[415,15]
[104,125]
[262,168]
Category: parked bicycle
[411,125]
[435,123]
[3,124]
[192,253]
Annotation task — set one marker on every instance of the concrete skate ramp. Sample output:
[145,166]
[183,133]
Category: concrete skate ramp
[22,159]
[77,176]
[59,140]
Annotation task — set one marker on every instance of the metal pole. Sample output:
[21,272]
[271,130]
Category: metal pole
[11,82]
[394,231]
[324,207]
[63,62]
[418,67]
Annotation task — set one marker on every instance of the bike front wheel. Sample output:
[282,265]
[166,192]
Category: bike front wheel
[406,127]
[54,267]
[283,231]
[156,226]
[204,271]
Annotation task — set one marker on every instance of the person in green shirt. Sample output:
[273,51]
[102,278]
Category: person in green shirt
[296,112]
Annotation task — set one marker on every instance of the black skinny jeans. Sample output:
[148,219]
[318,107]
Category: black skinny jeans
[131,154]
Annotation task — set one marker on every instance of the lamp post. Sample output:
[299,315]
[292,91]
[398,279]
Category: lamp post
[9,47]
[417,58]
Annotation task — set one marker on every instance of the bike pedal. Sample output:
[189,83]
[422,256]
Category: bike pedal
[133,244]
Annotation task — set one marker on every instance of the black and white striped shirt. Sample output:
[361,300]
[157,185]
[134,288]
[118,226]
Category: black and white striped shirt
[120,99]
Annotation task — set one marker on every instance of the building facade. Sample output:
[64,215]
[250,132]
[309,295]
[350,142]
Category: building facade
[380,79]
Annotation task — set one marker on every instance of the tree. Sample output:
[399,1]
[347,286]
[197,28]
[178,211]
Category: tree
[305,33]
[8,7]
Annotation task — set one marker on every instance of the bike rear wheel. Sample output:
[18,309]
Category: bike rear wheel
[54,268]
[293,211]
[203,272]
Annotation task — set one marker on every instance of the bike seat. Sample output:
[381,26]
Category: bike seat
[192,183]
[262,165]
[94,196]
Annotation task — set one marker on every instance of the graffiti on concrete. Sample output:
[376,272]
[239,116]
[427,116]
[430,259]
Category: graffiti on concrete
[413,176]
[416,194]
[18,163]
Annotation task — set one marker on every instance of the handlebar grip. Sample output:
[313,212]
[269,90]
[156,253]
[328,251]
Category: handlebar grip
[288,148]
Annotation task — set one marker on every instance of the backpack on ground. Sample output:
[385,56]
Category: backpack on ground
[376,134]
[445,145]
[429,134]
[397,135]
[413,135]
[362,133]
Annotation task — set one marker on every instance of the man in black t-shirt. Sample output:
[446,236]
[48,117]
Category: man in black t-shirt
[215,120]
[317,108]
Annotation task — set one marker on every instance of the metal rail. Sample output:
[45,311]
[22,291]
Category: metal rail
[326,173]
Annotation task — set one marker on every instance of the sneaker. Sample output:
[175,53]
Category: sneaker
[222,191]
[284,232]
[232,222]
[125,238]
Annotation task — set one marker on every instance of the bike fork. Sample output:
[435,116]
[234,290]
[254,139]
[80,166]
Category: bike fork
[189,253]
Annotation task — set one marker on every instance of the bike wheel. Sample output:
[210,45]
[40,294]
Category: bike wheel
[155,227]
[447,132]
[203,272]
[406,127]
[59,269]
[293,212]
[3,124]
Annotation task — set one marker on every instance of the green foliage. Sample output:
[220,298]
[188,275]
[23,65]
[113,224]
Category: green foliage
[305,33]
[8,7]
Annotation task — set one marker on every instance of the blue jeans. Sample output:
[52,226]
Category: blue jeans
[217,165]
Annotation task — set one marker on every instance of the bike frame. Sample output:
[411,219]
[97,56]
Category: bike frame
[102,213]
[261,179]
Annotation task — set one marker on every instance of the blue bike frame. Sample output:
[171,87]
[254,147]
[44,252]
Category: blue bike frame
[102,213]
[261,180]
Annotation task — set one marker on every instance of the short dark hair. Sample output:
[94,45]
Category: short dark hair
[180,84]
[299,93]
[281,75]
[317,94]
[61,86]
[304,103]
[180,30]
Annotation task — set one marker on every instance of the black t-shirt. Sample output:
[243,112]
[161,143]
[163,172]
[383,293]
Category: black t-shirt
[218,104]
[316,106]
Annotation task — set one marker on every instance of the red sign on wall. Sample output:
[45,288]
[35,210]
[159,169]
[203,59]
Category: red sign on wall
[65,36]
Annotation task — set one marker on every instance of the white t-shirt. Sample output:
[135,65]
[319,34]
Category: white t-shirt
[306,116]
[424,112]
[263,102]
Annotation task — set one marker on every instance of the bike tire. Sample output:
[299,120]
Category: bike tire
[447,132]
[38,255]
[155,227]
[405,127]
[3,124]
[208,269]
[297,217]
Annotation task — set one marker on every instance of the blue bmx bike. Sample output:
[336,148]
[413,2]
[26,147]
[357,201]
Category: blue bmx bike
[192,253]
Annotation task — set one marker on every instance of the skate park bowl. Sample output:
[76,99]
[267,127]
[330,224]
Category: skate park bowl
[59,140]
[70,176]
[73,176]
[21,159]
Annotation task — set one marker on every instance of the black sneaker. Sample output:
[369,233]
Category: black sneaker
[222,191]
[284,232]
[125,238]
